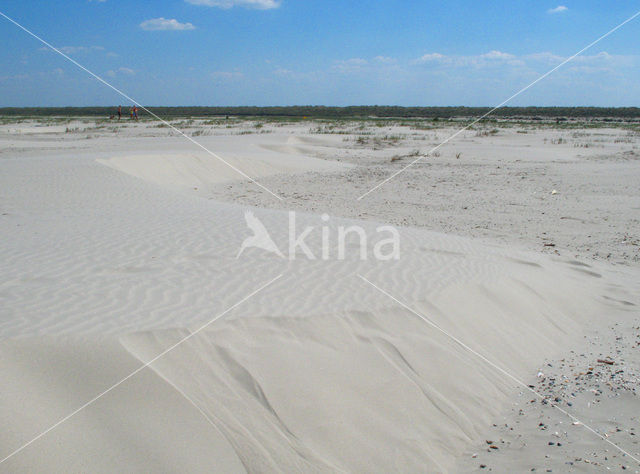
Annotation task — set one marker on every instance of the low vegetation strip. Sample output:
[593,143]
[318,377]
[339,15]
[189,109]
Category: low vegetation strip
[605,113]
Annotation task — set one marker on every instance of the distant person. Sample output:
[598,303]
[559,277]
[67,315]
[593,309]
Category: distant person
[131,113]
[119,112]
[135,112]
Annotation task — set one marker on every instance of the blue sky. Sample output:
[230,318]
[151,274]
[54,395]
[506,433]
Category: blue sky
[320,52]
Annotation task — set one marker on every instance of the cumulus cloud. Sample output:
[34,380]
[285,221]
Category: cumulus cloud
[487,59]
[545,57]
[535,63]
[429,57]
[601,58]
[558,9]
[256,4]
[164,24]
[499,55]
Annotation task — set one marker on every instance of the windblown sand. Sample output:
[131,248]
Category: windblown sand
[119,241]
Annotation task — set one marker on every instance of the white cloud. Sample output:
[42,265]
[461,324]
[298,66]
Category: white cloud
[429,57]
[499,55]
[590,69]
[297,76]
[257,4]
[350,65]
[545,57]
[164,24]
[601,58]
[603,55]
[490,59]
[122,71]
[530,64]
[494,57]
[384,60]
[558,9]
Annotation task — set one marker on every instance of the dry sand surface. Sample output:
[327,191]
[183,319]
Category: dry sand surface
[120,240]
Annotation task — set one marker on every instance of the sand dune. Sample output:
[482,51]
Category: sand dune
[200,169]
[102,271]
[147,426]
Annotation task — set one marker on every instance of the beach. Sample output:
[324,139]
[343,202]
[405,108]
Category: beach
[137,334]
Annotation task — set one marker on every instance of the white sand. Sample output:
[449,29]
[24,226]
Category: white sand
[104,267]
[198,169]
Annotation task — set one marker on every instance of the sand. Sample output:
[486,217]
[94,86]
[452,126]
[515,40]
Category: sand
[117,246]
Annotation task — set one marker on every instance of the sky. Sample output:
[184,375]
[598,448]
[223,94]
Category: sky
[320,52]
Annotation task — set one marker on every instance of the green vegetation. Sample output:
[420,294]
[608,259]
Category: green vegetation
[297,113]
